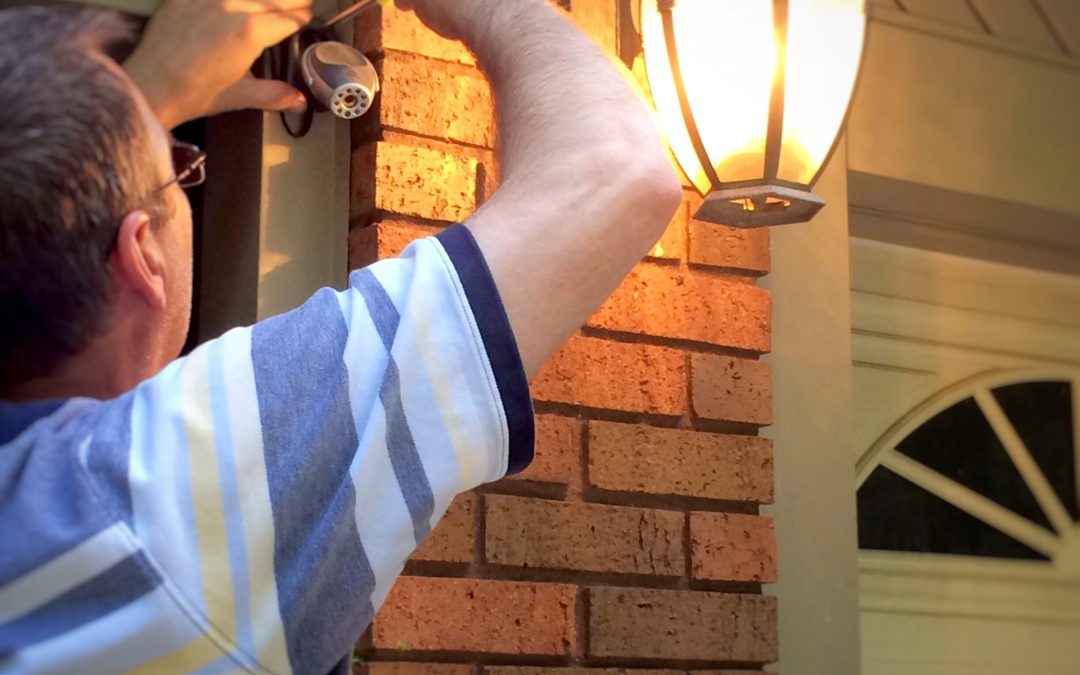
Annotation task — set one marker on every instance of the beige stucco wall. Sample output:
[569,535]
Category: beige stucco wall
[968,117]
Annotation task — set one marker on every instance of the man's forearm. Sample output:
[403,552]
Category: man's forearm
[587,188]
[554,87]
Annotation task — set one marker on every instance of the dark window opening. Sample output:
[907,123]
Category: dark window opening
[959,443]
[896,515]
[1042,414]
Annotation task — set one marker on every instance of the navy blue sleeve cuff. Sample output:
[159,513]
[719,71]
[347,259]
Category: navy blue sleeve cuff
[499,341]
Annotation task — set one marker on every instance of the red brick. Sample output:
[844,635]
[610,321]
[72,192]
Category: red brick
[477,615]
[555,670]
[362,184]
[539,533]
[424,179]
[600,373]
[663,301]
[681,625]
[558,451]
[598,19]
[672,245]
[729,247]
[734,390]
[418,669]
[454,538]
[528,670]
[384,239]
[732,547]
[727,672]
[637,458]
[393,236]
[362,246]
[394,29]
[433,98]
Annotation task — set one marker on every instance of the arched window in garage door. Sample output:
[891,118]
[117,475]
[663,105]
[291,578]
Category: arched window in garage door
[990,469]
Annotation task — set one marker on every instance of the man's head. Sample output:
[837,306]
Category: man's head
[95,239]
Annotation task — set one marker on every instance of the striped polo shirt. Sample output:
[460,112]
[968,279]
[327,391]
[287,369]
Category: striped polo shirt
[248,508]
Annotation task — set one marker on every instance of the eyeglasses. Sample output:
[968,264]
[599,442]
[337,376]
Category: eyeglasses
[189,165]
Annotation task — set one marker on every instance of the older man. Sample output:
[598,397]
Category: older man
[249,506]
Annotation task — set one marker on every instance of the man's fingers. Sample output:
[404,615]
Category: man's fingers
[259,6]
[251,92]
[273,27]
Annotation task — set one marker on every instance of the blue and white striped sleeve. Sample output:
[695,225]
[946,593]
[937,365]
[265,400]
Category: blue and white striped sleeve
[281,475]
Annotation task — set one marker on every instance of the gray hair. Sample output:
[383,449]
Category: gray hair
[74,160]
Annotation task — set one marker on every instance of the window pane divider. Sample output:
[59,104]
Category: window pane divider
[973,503]
[1023,461]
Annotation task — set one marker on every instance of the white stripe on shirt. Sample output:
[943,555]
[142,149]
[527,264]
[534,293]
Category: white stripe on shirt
[64,572]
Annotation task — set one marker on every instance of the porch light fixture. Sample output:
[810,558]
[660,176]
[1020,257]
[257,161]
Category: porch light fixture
[752,95]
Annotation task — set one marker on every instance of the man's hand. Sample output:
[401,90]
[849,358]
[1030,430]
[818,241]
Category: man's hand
[195,57]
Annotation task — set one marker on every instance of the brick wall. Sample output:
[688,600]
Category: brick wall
[634,540]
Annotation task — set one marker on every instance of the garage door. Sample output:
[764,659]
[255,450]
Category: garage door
[967,412]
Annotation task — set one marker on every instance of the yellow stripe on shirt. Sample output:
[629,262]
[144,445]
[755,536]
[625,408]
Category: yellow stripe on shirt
[192,656]
[209,506]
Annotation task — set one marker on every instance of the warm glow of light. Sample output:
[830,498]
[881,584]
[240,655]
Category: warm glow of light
[728,57]
[728,53]
[825,41]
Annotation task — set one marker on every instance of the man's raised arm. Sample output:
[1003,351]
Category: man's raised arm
[586,186]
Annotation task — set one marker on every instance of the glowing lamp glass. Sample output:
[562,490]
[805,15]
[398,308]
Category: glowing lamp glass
[752,95]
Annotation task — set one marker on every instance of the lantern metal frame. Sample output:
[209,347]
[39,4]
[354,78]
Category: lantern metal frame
[760,202]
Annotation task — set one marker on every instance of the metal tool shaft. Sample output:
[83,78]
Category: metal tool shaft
[348,13]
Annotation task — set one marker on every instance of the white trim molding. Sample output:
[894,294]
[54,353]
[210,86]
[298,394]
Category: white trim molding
[978,227]
[960,586]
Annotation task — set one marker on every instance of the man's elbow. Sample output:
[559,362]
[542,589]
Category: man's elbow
[652,189]
[633,187]
[665,189]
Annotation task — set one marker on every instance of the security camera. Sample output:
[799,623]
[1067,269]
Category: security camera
[332,75]
[340,78]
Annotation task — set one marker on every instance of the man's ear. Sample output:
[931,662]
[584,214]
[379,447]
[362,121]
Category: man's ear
[139,261]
